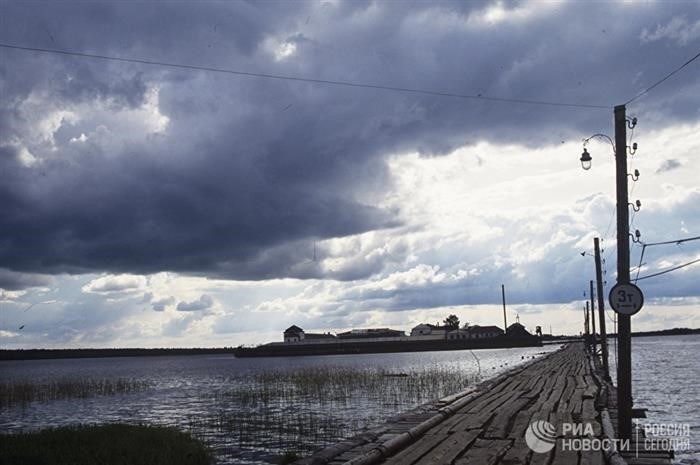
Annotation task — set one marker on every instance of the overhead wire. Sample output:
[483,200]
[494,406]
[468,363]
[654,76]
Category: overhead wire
[677,241]
[435,93]
[646,91]
[652,244]
[668,270]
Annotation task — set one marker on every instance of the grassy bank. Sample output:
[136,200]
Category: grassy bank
[114,444]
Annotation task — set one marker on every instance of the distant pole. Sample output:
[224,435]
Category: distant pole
[601,308]
[593,319]
[505,321]
[586,322]
[624,336]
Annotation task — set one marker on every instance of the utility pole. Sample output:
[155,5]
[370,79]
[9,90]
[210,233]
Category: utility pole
[601,307]
[624,336]
[505,321]
[593,318]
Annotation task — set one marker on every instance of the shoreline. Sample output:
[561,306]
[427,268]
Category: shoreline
[50,354]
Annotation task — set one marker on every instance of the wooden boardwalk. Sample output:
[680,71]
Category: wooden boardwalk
[487,425]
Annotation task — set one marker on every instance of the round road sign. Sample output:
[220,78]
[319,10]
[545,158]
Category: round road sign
[626,298]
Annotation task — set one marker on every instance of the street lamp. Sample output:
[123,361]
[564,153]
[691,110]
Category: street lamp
[586,160]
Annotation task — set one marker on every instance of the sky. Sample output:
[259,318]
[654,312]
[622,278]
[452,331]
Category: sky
[146,205]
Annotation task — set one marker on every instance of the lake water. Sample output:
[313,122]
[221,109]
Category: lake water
[253,410]
[666,381]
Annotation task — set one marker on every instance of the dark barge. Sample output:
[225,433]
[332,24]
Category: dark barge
[280,349]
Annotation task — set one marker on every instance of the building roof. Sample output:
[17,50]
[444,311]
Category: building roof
[517,328]
[371,332]
[319,336]
[484,329]
[432,326]
[293,329]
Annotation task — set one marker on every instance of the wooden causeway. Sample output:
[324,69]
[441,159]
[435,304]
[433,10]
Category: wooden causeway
[488,426]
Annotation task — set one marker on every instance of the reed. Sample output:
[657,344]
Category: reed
[23,393]
[300,411]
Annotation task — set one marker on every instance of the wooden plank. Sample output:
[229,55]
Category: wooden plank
[473,422]
[588,411]
[416,450]
[484,452]
[592,458]
[564,456]
[450,448]
[498,429]
[518,454]
[542,458]
[520,424]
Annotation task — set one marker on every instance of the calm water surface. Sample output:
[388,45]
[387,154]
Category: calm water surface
[666,381]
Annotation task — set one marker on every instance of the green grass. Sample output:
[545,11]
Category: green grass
[112,444]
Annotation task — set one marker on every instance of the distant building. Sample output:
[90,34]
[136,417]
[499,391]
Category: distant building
[428,331]
[484,332]
[459,334]
[294,334]
[475,332]
[517,330]
[318,336]
[371,333]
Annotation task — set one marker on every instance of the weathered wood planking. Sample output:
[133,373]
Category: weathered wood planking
[490,423]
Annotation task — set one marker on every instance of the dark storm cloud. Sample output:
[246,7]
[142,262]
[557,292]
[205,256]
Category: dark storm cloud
[12,281]
[248,169]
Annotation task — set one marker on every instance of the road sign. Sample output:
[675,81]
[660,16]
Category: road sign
[626,298]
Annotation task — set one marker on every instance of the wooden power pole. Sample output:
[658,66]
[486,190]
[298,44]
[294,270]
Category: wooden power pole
[624,336]
[601,307]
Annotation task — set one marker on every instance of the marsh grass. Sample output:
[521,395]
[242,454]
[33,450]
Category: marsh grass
[23,393]
[303,410]
[113,444]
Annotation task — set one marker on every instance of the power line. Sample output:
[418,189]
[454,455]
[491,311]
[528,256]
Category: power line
[677,242]
[435,93]
[645,91]
[644,247]
[669,270]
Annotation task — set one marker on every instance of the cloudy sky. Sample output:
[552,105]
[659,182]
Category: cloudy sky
[151,205]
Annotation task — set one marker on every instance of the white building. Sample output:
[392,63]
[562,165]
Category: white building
[428,331]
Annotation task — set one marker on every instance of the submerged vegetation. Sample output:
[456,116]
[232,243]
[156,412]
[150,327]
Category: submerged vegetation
[23,392]
[114,444]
